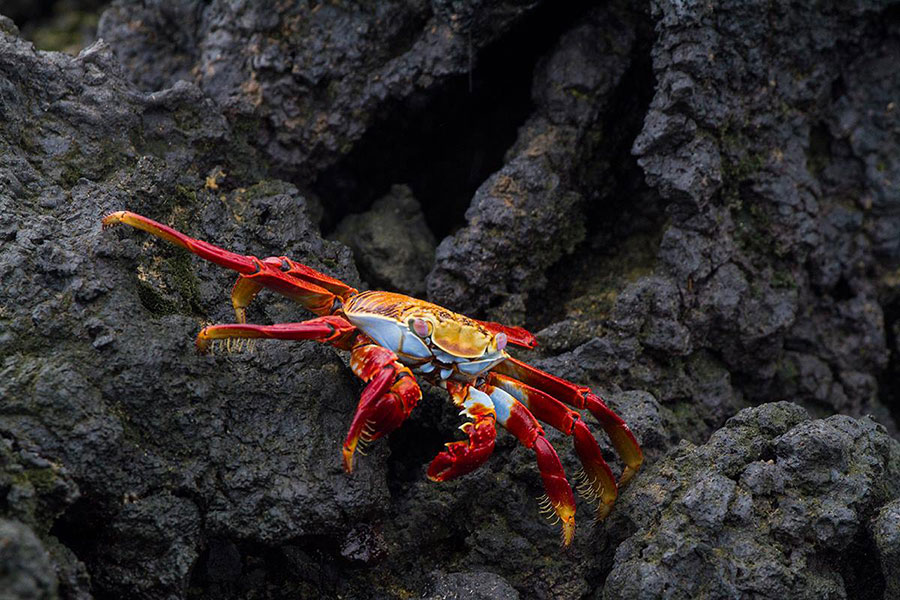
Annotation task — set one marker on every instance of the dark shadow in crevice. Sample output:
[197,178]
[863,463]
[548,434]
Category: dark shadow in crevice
[420,439]
[79,528]
[860,568]
[445,142]
[889,379]
[309,566]
[619,206]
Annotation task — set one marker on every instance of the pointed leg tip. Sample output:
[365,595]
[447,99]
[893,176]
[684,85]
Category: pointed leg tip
[603,511]
[627,474]
[568,531]
[347,459]
[112,219]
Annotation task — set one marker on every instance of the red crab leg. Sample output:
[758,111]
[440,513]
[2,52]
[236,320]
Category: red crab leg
[599,483]
[581,397]
[316,291]
[331,328]
[230,260]
[389,398]
[519,421]
[465,456]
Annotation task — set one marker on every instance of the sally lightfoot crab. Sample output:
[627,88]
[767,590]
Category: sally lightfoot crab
[391,336]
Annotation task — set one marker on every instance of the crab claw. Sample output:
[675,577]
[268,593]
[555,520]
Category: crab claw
[387,401]
[465,456]
[379,412]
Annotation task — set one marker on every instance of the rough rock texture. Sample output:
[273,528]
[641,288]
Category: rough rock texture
[391,243]
[477,586]
[308,78]
[886,532]
[25,569]
[764,508]
[530,213]
[694,204]
[776,228]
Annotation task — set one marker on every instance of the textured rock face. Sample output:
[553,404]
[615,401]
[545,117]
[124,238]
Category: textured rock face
[761,509]
[391,243]
[694,205]
[886,531]
[310,77]
[529,214]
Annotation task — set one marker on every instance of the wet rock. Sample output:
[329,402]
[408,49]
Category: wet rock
[758,510]
[391,243]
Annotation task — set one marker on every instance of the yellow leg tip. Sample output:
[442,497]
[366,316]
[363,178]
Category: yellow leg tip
[627,474]
[347,458]
[603,510]
[568,531]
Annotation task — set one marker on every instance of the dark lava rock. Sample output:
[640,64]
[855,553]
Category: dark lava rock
[530,213]
[391,243]
[26,572]
[759,262]
[764,509]
[99,368]
[309,79]
[886,533]
[767,255]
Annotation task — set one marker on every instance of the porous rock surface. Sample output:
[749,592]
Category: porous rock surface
[391,242]
[765,507]
[696,211]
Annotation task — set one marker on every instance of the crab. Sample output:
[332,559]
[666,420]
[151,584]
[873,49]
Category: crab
[393,339]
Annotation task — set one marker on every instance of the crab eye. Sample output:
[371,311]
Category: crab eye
[501,340]
[420,327]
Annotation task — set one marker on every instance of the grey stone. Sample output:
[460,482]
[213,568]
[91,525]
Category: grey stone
[886,532]
[391,243]
[759,509]
[26,572]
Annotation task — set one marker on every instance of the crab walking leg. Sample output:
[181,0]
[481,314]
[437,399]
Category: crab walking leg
[599,483]
[582,397]
[220,256]
[519,421]
[242,294]
[389,397]
[316,291]
[329,329]
[467,455]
